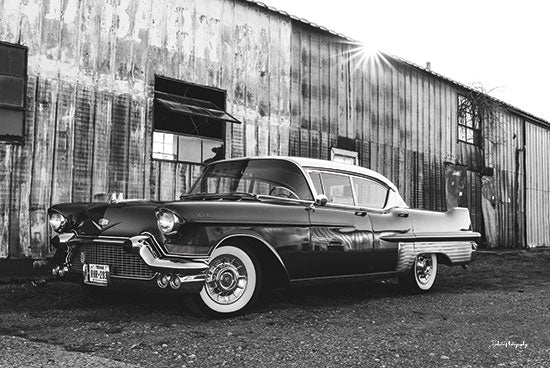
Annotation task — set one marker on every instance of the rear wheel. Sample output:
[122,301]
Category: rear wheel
[422,275]
[233,283]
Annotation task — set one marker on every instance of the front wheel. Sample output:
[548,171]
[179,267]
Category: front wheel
[233,282]
[422,275]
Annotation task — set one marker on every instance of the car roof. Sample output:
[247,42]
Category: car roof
[314,163]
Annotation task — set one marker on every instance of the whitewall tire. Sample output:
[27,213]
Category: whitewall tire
[422,275]
[233,282]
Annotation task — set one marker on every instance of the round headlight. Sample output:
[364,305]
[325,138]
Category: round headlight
[167,222]
[57,221]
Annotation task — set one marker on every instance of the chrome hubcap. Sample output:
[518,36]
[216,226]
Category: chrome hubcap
[424,267]
[226,279]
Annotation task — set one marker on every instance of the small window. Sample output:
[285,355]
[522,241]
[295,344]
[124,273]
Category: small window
[316,179]
[369,193]
[337,188]
[13,76]
[189,122]
[469,121]
[344,156]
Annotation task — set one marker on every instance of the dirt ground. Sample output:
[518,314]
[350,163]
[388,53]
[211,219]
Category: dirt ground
[494,314]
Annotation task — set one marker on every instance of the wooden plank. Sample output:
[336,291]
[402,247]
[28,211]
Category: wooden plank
[263,68]
[102,146]
[64,144]
[227,67]
[324,75]
[106,48]
[250,144]
[147,155]
[305,78]
[124,45]
[342,91]
[83,143]
[357,72]
[175,18]
[140,46]
[89,41]
[25,168]
[136,142]
[295,78]
[333,86]
[285,65]
[315,83]
[181,179]
[156,50]
[69,48]
[30,33]
[42,166]
[167,181]
[6,168]
[304,143]
[275,80]
[154,180]
[118,154]
[10,20]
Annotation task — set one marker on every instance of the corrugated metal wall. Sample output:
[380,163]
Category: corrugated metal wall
[537,151]
[298,90]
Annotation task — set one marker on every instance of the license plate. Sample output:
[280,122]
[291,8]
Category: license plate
[97,274]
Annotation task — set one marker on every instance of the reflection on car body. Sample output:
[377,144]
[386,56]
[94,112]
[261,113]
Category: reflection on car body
[259,223]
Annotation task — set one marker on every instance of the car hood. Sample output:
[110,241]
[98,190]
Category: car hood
[113,220]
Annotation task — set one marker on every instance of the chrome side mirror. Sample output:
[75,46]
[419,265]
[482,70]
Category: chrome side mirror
[321,200]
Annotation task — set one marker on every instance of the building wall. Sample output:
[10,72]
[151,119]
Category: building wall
[297,89]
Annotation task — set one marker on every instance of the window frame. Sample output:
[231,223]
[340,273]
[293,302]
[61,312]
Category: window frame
[176,154]
[335,152]
[476,120]
[23,108]
[203,88]
[356,205]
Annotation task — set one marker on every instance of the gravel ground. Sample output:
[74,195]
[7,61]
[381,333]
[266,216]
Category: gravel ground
[496,313]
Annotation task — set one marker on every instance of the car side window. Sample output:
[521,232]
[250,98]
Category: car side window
[316,179]
[369,193]
[337,188]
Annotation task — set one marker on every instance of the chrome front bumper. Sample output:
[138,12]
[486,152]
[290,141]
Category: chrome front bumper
[165,272]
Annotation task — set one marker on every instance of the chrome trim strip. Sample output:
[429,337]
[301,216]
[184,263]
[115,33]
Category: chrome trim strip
[456,251]
[164,265]
[259,239]
[373,275]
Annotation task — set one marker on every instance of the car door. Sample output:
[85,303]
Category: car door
[373,196]
[342,241]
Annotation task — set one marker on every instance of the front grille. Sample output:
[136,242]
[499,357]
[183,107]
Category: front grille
[120,262]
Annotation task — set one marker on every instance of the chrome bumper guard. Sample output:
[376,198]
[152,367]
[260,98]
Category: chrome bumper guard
[138,245]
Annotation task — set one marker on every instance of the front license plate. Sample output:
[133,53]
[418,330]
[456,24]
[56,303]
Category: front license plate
[98,274]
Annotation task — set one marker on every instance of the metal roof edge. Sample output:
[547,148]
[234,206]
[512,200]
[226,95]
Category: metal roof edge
[510,107]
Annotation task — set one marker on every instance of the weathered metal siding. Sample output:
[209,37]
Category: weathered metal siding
[298,90]
[537,151]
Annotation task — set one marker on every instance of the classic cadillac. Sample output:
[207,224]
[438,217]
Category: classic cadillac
[258,223]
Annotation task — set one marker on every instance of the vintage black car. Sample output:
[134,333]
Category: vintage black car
[259,223]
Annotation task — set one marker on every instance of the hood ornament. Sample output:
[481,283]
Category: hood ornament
[116,197]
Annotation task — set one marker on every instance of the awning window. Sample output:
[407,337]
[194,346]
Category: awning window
[193,107]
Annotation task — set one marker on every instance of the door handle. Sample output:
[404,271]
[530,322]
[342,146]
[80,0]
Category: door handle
[360,213]
[403,215]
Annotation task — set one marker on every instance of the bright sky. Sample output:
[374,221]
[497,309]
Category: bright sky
[504,45]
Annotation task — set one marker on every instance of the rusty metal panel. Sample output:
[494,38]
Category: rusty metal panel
[64,144]
[6,168]
[537,172]
[47,93]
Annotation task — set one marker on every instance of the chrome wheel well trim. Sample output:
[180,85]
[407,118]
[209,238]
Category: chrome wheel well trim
[261,240]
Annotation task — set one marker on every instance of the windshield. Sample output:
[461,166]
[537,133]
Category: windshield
[260,177]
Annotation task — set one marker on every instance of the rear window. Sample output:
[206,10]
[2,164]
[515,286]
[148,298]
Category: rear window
[337,188]
[369,193]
